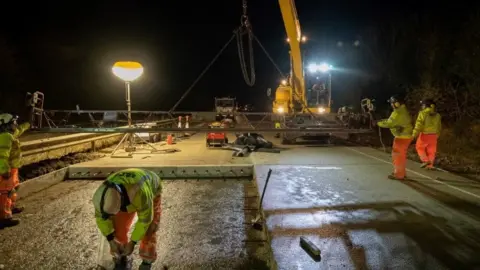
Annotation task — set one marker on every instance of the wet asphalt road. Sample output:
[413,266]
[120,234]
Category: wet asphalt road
[201,228]
[340,199]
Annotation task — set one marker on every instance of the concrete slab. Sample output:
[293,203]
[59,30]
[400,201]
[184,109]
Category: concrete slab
[193,151]
[340,199]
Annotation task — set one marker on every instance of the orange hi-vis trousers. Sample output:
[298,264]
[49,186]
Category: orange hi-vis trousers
[148,245]
[427,148]
[399,157]
[8,194]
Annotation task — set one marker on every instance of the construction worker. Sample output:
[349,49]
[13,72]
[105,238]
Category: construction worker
[15,162]
[117,200]
[7,182]
[400,124]
[427,129]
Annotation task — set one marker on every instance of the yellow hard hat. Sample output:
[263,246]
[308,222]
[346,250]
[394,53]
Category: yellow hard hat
[6,118]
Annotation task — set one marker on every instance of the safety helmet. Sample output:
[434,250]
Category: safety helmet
[395,99]
[6,118]
[428,102]
[112,198]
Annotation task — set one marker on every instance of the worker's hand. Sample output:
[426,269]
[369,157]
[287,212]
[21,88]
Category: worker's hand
[116,247]
[129,248]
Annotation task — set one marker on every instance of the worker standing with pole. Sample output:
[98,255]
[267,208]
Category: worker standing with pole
[7,182]
[117,200]
[427,128]
[400,124]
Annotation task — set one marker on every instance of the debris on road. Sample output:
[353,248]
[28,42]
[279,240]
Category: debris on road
[312,250]
[250,142]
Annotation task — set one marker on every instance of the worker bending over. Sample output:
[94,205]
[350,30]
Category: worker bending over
[427,128]
[10,161]
[117,200]
[400,124]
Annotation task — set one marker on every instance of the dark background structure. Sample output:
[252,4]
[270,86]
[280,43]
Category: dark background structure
[66,50]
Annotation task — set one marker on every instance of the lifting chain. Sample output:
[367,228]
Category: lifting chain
[245,28]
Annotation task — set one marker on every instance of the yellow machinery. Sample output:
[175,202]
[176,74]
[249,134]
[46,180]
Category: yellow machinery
[293,106]
[290,96]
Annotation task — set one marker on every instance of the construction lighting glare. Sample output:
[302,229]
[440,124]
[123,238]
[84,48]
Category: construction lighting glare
[322,67]
[284,82]
[280,109]
[304,39]
[127,71]
[321,110]
[312,68]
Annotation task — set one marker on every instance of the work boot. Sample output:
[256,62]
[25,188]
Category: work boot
[17,209]
[122,263]
[145,266]
[8,222]
[425,164]
[393,177]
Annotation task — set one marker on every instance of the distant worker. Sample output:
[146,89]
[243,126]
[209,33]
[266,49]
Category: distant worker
[400,124]
[9,181]
[117,200]
[15,162]
[427,128]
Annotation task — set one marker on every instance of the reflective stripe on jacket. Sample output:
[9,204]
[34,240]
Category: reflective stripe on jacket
[15,159]
[6,141]
[142,187]
[399,123]
[428,122]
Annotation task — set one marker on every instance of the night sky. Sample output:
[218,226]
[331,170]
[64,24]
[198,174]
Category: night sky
[66,50]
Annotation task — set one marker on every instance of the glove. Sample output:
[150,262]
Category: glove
[152,229]
[129,248]
[116,247]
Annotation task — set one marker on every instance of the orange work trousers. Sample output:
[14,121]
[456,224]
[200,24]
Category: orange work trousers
[8,194]
[399,157]
[148,245]
[427,148]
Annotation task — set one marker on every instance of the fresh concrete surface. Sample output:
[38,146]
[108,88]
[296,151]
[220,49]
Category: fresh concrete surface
[340,199]
[202,227]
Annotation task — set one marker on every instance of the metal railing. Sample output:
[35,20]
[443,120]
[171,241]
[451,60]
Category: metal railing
[52,143]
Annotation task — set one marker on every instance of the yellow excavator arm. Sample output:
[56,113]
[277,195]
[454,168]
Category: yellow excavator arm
[294,34]
[292,93]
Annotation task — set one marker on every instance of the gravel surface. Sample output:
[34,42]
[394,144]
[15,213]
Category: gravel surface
[201,228]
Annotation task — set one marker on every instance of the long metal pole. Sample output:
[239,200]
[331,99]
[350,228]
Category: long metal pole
[129,103]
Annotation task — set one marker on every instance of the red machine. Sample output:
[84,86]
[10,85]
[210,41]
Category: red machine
[216,138]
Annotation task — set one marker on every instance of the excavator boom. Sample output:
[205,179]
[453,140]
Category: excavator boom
[294,34]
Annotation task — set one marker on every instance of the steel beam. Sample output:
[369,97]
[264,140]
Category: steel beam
[201,129]
[170,172]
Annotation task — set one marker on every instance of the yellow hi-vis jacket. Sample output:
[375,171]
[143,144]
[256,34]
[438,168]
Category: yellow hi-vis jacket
[15,159]
[142,186]
[428,122]
[399,123]
[6,141]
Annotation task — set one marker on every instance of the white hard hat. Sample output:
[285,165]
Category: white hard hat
[111,202]
[6,118]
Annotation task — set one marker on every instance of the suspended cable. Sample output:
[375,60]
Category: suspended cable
[268,56]
[246,29]
[201,74]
